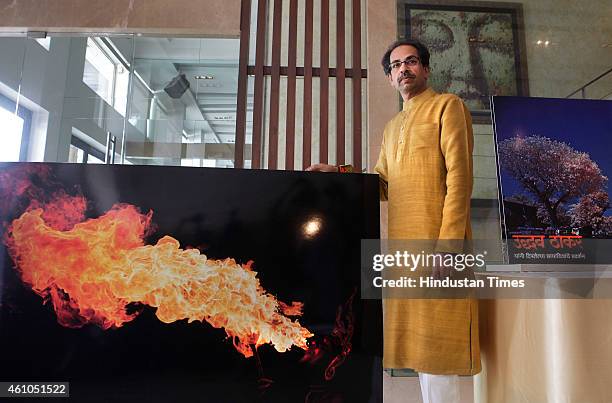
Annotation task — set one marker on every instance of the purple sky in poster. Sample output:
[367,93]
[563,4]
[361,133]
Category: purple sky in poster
[585,125]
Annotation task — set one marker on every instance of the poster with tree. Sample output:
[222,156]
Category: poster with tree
[554,165]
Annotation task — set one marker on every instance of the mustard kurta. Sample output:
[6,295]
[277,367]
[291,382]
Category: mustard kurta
[425,166]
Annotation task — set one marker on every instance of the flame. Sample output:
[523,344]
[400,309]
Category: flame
[90,270]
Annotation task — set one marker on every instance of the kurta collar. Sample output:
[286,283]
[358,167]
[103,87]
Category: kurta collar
[412,102]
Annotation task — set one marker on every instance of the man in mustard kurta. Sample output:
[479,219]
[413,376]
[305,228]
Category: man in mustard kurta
[425,168]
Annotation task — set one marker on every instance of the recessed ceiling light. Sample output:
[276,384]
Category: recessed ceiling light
[204,77]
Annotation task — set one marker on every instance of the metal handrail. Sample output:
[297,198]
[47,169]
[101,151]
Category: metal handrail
[581,89]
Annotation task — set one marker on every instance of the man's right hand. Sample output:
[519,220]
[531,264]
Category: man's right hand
[322,168]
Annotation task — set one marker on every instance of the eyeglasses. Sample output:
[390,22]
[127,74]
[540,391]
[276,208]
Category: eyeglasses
[410,62]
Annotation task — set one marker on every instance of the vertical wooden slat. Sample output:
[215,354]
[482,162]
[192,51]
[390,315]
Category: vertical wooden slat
[323,79]
[340,81]
[356,80]
[291,68]
[275,84]
[245,28]
[307,121]
[259,80]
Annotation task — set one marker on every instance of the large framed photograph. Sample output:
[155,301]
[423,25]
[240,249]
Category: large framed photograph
[554,165]
[477,48]
[158,284]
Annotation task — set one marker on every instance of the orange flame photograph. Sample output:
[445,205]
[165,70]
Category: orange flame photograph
[178,279]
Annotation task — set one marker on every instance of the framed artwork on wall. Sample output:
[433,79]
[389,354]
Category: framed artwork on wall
[477,48]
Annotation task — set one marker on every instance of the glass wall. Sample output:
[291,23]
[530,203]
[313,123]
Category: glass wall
[122,98]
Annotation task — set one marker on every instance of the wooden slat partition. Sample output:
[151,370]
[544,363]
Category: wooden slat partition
[258,97]
[308,72]
[307,117]
[291,61]
[356,81]
[245,22]
[324,82]
[275,84]
[340,92]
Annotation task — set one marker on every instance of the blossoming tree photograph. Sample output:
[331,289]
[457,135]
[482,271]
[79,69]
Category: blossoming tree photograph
[554,167]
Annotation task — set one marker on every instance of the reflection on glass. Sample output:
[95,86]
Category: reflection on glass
[312,226]
[75,154]
[85,87]
[99,71]
[83,149]
[191,124]
[122,81]
[174,142]
[196,162]
[44,42]
[105,73]
[94,160]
